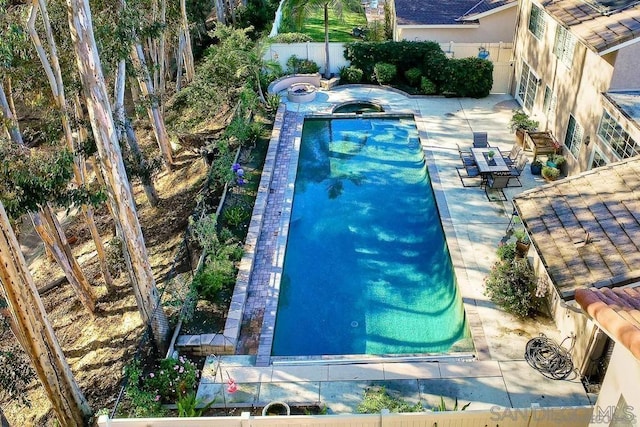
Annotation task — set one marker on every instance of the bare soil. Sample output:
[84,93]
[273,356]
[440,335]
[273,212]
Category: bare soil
[98,349]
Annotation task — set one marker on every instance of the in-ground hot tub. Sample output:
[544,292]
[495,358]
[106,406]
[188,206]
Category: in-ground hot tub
[301,92]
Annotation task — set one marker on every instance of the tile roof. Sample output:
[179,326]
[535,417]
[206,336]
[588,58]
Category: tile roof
[600,25]
[617,311]
[626,101]
[586,228]
[444,12]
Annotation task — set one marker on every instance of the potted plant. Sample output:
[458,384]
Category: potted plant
[522,243]
[536,167]
[550,173]
[490,155]
[521,123]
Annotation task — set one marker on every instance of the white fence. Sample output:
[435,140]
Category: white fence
[498,53]
[578,416]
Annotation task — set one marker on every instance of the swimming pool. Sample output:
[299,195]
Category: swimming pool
[366,269]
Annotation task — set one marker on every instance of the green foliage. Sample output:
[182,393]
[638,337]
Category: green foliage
[215,281]
[507,251]
[220,172]
[246,133]
[442,407]
[236,215]
[257,14]
[521,120]
[308,17]
[376,399]
[472,77]
[171,379]
[273,102]
[188,405]
[15,374]
[512,285]
[350,75]
[550,173]
[140,401]
[291,38]
[30,179]
[413,76]
[375,32]
[558,159]
[521,235]
[427,87]
[297,65]
[384,73]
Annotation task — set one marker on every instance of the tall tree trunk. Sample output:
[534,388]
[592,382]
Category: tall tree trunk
[179,57]
[187,52]
[54,74]
[38,338]
[48,228]
[327,73]
[11,123]
[220,12]
[120,194]
[126,133]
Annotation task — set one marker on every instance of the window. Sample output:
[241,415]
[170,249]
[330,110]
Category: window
[564,46]
[617,138]
[537,23]
[598,160]
[528,87]
[549,104]
[573,138]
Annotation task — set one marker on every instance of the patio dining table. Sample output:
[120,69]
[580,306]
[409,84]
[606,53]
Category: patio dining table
[498,164]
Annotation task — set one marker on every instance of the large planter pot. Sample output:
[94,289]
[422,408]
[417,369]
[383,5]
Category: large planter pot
[520,137]
[536,168]
[276,408]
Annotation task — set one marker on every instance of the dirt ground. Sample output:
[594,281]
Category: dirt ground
[98,349]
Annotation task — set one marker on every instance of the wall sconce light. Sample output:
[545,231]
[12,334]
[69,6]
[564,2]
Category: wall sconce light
[539,81]
[587,140]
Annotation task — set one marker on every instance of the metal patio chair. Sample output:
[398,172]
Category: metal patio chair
[466,156]
[480,140]
[496,182]
[516,170]
[471,172]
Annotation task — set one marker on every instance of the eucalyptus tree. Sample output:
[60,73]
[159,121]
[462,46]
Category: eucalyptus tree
[50,60]
[28,320]
[118,187]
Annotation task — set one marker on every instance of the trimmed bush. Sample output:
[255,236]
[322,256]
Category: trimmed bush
[350,75]
[384,72]
[413,76]
[427,87]
[297,65]
[472,77]
[291,38]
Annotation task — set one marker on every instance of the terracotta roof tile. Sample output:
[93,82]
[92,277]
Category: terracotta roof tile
[603,206]
[617,311]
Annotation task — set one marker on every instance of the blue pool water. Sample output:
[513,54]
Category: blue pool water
[367,269]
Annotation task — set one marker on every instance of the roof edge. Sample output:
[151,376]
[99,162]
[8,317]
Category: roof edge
[488,12]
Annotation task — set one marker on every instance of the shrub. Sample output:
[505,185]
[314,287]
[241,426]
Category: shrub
[413,76]
[350,75]
[384,72]
[141,402]
[291,38]
[172,379]
[297,65]
[427,87]
[376,398]
[471,77]
[550,173]
[236,215]
[507,251]
[512,285]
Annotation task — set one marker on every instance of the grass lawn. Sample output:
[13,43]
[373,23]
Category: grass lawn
[339,29]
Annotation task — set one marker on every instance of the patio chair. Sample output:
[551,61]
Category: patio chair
[480,140]
[516,171]
[466,156]
[496,182]
[470,172]
[513,155]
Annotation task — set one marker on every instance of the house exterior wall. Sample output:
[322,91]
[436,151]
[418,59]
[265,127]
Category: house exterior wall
[621,380]
[494,28]
[626,76]
[576,90]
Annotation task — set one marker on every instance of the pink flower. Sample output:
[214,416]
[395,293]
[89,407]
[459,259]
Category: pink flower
[232,387]
[151,375]
[181,370]
[157,398]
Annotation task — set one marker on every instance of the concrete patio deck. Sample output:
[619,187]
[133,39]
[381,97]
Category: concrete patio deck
[473,226]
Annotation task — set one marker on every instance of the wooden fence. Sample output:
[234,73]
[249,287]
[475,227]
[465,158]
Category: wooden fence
[578,416]
[498,53]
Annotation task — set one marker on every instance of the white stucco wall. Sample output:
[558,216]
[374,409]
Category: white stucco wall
[494,28]
[622,379]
